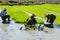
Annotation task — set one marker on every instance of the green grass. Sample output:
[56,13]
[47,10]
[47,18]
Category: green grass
[39,10]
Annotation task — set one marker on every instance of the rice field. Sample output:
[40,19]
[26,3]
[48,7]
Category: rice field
[20,13]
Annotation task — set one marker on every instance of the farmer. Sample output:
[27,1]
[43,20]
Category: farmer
[4,16]
[31,21]
[50,18]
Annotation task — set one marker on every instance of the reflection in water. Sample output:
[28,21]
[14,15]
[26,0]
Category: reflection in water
[49,30]
[11,32]
[56,26]
[4,26]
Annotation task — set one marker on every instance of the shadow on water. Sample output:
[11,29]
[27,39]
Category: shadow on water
[57,26]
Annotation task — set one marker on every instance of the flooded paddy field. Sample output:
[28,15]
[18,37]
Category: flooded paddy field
[11,32]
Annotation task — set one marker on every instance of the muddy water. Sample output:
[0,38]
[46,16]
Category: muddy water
[11,32]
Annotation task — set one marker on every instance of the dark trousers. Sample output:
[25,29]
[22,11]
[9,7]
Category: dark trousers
[52,20]
[6,17]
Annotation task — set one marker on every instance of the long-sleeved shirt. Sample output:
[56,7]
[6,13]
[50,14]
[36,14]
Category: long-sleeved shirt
[3,13]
